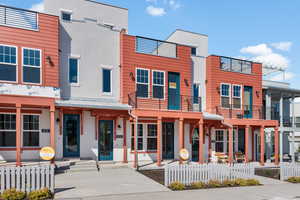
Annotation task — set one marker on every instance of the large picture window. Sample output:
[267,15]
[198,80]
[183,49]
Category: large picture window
[225,95]
[236,96]
[158,84]
[7,130]
[31,66]
[8,63]
[73,71]
[31,131]
[152,137]
[142,83]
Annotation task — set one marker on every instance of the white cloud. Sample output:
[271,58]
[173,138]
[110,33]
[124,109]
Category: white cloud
[261,49]
[283,46]
[39,7]
[174,4]
[280,77]
[155,11]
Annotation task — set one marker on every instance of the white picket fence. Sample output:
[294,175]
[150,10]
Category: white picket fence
[188,174]
[288,170]
[27,178]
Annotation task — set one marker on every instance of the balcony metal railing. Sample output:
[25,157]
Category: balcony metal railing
[156,47]
[233,111]
[235,65]
[171,102]
[18,18]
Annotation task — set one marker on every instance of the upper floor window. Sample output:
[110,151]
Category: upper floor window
[236,65]
[73,71]
[225,95]
[8,63]
[66,16]
[106,81]
[142,83]
[196,93]
[31,131]
[31,65]
[236,96]
[194,51]
[158,84]
[7,130]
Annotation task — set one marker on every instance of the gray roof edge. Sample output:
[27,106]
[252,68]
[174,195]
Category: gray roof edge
[116,107]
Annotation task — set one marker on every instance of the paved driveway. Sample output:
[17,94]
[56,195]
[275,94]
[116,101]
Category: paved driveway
[118,181]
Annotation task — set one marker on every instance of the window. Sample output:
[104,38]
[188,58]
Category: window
[194,51]
[106,84]
[236,96]
[236,65]
[158,84]
[196,93]
[219,141]
[139,137]
[66,16]
[225,95]
[31,66]
[31,131]
[297,122]
[152,137]
[73,71]
[8,63]
[142,83]
[7,130]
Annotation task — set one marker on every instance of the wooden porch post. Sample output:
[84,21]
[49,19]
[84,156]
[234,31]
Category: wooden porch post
[230,132]
[262,145]
[201,134]
[247,143]
[124,141]
[276,141]
[159,129]
[18,134]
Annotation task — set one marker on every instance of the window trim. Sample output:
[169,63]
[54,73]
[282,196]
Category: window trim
[152,137]
[148,96]
[70,12]
[9,147]
[229,94]
[41,66]
[111,83]
[199,94]
[164,85]
[240,97]
[219,141]
[145,138]
[17,63]
[22,130]
[78,73]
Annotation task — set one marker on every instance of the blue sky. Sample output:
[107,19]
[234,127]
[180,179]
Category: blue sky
[262,30]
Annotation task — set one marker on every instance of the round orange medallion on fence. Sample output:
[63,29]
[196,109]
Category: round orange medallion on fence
[47,153]
[184,154]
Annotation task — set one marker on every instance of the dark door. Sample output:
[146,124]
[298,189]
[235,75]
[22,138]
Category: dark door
[195,145]
[248,102]
[173,91]
[168,140]
[241,140]
[106,140]
[71,135]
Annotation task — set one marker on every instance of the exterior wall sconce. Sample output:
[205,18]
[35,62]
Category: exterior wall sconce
[131,76]
[257,93]
[186,82]
[49,60]
[218,89]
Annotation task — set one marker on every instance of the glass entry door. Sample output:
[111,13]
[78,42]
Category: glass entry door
[168,140]
[71,135]
[106,139]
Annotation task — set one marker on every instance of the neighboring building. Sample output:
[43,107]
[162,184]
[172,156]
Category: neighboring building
[29,82]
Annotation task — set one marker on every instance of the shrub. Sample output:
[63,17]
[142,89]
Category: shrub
[198,185]
[177,186]
[294,179]
[214,184]
[252,182]
[43,194]
[228,183]
[240,182]
[13,194]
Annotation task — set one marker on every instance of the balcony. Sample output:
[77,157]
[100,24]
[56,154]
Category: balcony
[232,111]
[156,47]
[18,18]
[169,103]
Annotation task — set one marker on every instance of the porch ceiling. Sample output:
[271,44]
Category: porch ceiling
[252,122]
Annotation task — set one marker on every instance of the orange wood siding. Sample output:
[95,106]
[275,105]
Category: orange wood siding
[46,39]
[130,60]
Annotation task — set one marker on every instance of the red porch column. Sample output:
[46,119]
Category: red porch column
[18,134]
[201,134]
[276,141]
[124,141]
[230,145]
[181,135]
[159,141]
[247,143]
[262,145]
[52,126]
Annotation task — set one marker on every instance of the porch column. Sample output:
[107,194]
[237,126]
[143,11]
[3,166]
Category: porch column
[201,134]
[124,141]
[293,129]
[135,162]
[247,144]
[159,141]
[276,141]
[262,145]
[281,129]
[230,157]
[52,126]
[18,134]
[181,134]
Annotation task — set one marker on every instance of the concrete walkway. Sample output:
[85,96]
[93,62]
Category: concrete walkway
[77,185]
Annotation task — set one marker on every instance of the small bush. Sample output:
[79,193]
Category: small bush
[177,186]
[198,185]
[240,182]
[214,184]
[294,179]
[252,182]
[43,194]
[13,194]
[228,183]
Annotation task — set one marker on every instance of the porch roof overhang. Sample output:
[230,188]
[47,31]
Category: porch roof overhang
[209,116]
[288,92]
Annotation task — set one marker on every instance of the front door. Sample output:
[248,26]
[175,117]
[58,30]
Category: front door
[71,135]
[168,140]
[106,139]
[173,91]
[195,145]
[248,102]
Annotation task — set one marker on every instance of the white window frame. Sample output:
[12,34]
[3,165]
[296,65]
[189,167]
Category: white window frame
[70,12]
[78,73]
[229,95]
[41,65]
[164,85]
[148,96]
[145,138]
[219,141]
[110,68]
[236,97]
[199,92]
[9,147]
[23,130]
[153,137]
[17,60]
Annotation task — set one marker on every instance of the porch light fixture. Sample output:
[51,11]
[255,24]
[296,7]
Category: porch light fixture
[257,93]
[186,82]
[218,89]
[131,76]
[49,60]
